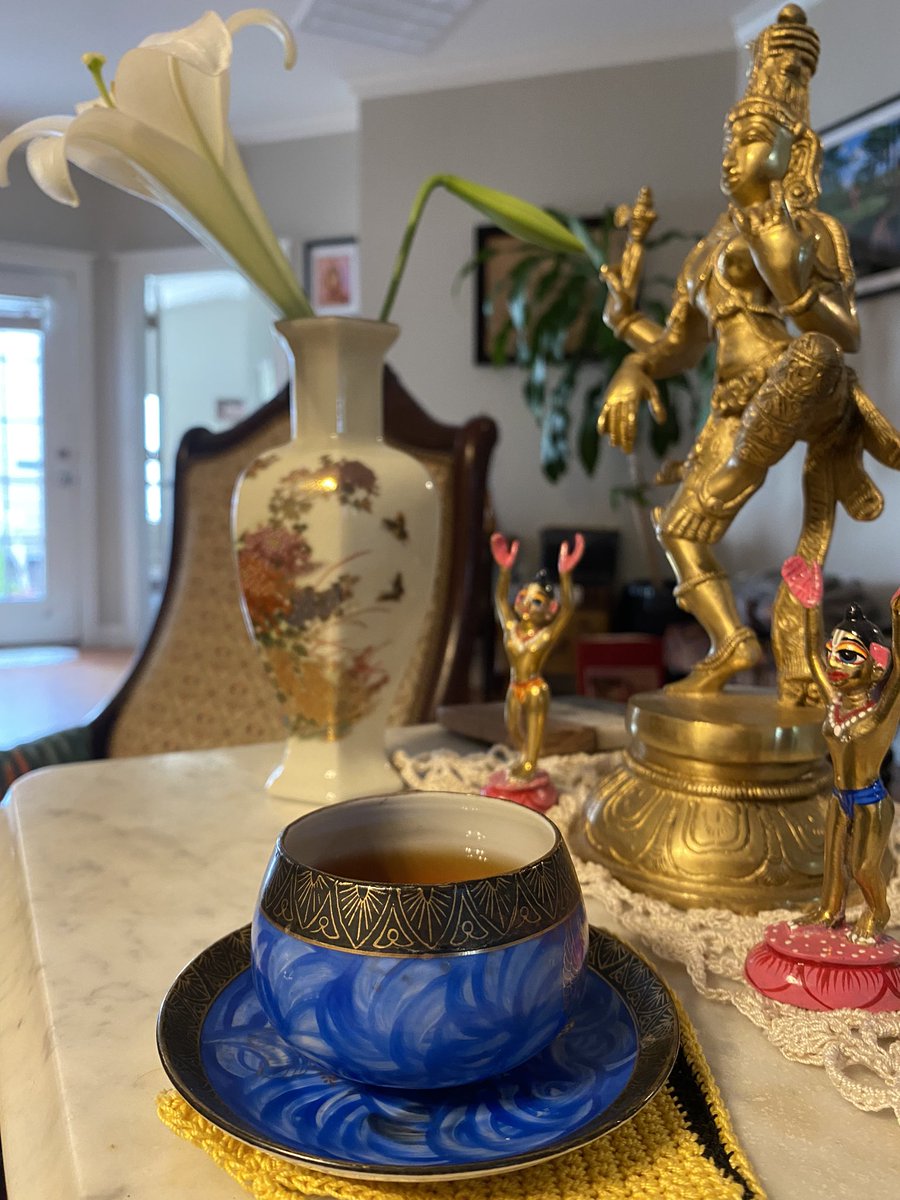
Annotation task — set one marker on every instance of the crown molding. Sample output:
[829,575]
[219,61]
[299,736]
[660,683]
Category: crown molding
[562,61]
[340,120]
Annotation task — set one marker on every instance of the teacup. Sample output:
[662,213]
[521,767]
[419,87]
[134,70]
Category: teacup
[419,940]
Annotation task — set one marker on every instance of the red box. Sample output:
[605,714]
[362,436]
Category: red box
[613,666]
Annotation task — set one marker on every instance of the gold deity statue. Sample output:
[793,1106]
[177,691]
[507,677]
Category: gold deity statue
[861,716]
[723,794]
[772,286]
[531,627]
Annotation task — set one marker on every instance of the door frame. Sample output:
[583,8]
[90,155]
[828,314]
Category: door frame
[130,267]
[78,267]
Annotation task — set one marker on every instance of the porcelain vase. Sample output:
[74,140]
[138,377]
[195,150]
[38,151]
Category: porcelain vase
[335,536]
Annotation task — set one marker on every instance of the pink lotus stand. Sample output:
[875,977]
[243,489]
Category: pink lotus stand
[537,792]
[813,967]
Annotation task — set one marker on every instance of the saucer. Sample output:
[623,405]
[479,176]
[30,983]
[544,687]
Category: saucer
[224,1057]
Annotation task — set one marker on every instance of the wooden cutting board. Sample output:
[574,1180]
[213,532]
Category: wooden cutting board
[572,727]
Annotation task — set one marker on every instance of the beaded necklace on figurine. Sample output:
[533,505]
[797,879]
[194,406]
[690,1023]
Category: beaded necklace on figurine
[838,725]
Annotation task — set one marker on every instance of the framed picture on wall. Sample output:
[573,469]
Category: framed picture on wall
[498,254]
[331,276]
[861,187]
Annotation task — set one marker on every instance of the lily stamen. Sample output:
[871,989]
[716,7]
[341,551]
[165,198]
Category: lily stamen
[95,64]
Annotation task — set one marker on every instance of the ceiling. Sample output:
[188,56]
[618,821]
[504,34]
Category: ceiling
[43,40]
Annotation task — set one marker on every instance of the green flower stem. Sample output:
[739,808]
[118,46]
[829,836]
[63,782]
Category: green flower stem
[525,221]
[412,225]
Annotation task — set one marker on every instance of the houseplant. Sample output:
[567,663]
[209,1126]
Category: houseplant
[554,319]
[329,608]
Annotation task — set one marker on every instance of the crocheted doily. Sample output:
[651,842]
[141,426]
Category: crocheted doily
[860,1051]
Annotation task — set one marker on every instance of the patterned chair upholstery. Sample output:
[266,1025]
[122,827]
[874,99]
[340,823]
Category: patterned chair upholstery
[198,683]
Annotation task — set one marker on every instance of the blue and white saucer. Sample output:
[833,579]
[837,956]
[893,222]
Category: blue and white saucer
[223,1056]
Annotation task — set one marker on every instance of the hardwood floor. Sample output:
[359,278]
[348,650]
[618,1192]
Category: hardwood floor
[42,691]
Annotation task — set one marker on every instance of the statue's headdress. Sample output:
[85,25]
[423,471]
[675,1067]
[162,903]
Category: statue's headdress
[783,60]
[856,621]
[542,579]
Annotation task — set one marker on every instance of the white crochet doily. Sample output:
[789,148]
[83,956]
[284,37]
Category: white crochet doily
[860,1051]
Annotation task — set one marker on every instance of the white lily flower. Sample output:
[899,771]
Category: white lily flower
[164,136]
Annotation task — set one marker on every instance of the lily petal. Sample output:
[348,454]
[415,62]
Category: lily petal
[262,16]
[211,204]
[166,139]
[25,133]
[205,45]
[46,157]
[174,98]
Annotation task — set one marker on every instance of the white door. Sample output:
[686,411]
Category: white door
[40,583]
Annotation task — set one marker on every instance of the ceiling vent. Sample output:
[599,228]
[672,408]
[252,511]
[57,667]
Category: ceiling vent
[411,26]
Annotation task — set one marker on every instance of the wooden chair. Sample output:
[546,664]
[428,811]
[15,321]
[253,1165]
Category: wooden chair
[198,683]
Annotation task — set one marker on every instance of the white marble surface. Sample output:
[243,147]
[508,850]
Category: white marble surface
[114,874]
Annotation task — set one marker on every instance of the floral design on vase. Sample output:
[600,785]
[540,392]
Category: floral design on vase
[296,602]
[333,596]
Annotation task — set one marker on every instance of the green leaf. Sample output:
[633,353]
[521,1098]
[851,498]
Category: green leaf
[667,434]
[589,443]
[535,388]
[499,349]
[636,493]
[595,251]
[555,442]
[672,235]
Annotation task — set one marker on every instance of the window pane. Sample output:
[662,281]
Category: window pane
[24,450]
[20,374]
[22,545]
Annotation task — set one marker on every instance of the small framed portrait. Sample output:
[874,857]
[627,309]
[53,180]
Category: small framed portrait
[861,187]
[331,274]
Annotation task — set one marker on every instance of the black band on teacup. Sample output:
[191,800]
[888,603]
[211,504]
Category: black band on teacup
[419,918]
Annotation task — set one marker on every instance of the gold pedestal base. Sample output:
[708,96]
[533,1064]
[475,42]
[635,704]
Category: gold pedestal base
[720,802]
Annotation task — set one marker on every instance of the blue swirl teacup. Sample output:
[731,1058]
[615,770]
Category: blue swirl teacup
[420,940]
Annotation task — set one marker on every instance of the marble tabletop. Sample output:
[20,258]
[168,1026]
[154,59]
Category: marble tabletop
[114,874]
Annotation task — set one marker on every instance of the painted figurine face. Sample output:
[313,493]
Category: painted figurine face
[849,661]
[757,151]
[533,604]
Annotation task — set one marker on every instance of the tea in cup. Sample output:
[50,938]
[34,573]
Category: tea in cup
[419,940]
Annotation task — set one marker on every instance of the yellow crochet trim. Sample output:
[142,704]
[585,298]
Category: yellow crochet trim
[653,1156]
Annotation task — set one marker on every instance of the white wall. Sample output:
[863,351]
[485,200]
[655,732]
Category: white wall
[309,189]
[579,142]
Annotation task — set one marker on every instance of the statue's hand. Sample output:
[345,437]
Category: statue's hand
[804,580]
[568,560]
[504,555]
[621,300]
[783,254]
[628,388]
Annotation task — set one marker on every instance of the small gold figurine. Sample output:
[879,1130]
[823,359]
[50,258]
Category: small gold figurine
[532,625]
[860,723]
[772,286]
[817,961]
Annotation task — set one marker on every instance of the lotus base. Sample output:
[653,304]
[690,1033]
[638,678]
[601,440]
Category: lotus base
[538,792]
[814,967]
